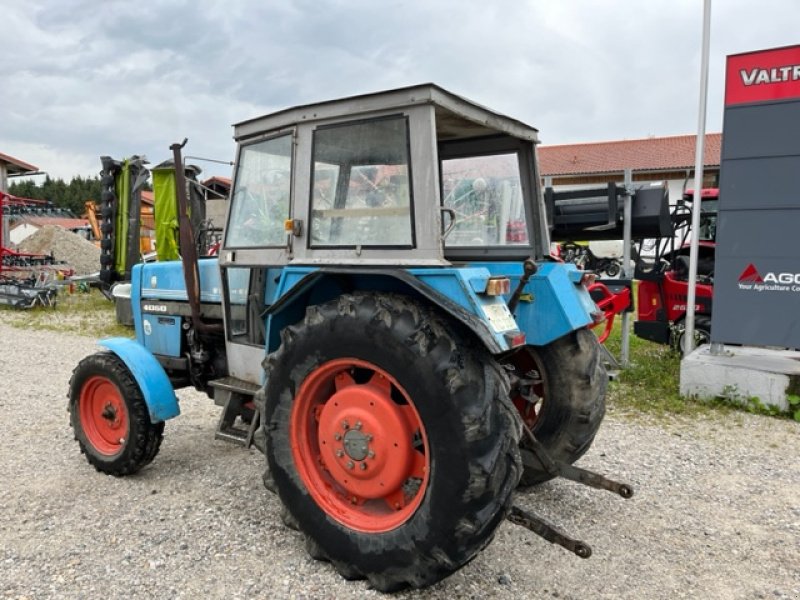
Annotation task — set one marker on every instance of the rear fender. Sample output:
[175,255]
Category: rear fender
[159,395]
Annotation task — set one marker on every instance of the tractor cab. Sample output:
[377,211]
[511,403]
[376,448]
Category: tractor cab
[415,178]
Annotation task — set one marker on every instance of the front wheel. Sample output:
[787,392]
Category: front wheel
[109,416]
[612,268]
[702,334]
[391,440]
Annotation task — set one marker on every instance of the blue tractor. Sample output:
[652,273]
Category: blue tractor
[383,321]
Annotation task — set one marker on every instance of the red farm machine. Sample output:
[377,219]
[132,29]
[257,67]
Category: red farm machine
[664,277]
[660,253]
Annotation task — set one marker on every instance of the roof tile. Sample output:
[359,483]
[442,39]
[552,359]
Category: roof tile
[650,154]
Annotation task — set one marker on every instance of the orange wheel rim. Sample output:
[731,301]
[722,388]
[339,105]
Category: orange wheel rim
[103,415]
[359,445]
[528,367]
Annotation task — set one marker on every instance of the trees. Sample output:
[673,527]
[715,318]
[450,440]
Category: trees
[71,196]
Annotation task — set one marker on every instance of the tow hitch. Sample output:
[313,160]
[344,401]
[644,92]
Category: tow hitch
[542,527]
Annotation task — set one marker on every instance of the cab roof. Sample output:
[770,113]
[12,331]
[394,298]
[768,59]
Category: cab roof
[456,117]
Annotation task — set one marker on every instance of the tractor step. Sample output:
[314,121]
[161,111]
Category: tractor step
[234,384]
[236,398]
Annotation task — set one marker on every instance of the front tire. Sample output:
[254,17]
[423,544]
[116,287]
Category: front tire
[702,334]
[391,440]
[109,416]
[563,401]
[613,269]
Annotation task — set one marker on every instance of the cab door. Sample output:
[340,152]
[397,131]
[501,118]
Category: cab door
[255,244]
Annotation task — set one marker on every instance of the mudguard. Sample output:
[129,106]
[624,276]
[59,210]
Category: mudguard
[159,395]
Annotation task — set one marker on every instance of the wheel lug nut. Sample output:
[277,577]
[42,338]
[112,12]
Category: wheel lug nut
[369,437]
[350,464]
[340,453]
[358,425]
[363,466]
[371,454]
[337,436]
[345,424]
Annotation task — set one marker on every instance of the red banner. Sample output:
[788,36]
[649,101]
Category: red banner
[762,76]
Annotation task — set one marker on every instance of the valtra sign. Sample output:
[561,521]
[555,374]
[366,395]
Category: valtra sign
[763,76]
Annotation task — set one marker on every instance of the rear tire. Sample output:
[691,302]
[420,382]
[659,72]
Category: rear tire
[372,375]
[110,418]
[572,388]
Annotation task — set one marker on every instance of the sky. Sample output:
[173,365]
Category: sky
[85,78]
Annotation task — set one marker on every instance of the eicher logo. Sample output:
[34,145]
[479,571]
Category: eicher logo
[751,279]
[759,76]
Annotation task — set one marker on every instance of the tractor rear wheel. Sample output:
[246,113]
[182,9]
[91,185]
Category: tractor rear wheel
[391,439]
[109,416]
[561,398]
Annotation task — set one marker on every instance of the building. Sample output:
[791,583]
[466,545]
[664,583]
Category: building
[653,159]
[13,167]
[216,191]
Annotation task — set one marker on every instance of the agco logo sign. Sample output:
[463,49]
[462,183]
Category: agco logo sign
[751,279]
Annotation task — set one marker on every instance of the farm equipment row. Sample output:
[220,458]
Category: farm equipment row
[27,280]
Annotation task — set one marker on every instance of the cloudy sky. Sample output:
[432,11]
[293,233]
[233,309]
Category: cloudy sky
[84,78]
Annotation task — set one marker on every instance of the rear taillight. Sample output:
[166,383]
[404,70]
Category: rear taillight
[515,338]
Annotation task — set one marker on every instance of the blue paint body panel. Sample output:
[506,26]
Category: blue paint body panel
[553,304]
[164,281]
[162,334]
[558,304]
[162,404]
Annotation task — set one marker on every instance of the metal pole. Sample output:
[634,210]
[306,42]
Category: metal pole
[698,181]
[627,214]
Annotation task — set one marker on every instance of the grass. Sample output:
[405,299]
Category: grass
[90,314]
[650,384]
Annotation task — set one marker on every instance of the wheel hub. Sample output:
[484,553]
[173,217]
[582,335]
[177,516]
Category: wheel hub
[359,445]
[356,444]
[103,416]
[365,439]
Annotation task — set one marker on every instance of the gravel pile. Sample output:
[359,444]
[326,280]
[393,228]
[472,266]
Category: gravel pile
[79,253]
[716,513]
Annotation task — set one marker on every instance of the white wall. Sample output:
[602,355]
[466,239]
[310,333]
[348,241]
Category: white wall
[21,231]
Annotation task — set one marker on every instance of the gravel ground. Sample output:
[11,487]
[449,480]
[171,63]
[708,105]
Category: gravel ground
[716,512]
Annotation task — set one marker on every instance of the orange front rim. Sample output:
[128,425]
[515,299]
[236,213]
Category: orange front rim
[359,445]
[103,415]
